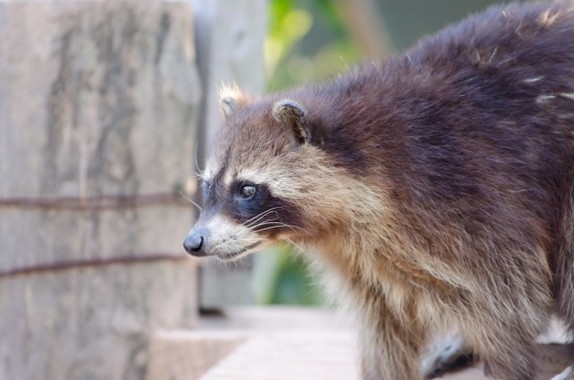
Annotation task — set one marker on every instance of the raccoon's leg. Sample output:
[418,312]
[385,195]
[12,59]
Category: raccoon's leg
[389,346]
[507,344]
[564,272]
[509,359]
[564,264]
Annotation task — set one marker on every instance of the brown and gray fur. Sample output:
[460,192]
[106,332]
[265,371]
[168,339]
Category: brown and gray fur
[437,186]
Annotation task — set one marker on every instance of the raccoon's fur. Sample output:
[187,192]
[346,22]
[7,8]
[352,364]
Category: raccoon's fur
[438,186]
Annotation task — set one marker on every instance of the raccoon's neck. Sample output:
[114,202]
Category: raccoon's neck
[374,255]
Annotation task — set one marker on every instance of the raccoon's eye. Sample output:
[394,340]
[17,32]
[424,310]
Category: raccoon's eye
[247,190]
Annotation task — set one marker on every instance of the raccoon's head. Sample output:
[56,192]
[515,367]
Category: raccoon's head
[263,182]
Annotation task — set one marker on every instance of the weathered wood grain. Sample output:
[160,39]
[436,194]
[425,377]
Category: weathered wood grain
[230,40]
[98,99]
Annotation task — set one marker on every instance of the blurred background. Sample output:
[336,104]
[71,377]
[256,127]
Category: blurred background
[108,110]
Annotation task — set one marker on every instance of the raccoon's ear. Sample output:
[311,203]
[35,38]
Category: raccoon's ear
[292,115]
[231,98]
[228,106]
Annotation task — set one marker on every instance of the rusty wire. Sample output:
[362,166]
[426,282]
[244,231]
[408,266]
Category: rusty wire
[88,263]
[95,203]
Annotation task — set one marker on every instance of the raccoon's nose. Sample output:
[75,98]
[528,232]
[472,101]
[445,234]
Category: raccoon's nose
[194,243]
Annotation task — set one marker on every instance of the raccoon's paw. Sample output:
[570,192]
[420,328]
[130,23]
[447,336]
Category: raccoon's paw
[446,356]
[567,374]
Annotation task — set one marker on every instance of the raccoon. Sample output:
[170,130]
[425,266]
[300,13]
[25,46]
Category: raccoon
[437,187]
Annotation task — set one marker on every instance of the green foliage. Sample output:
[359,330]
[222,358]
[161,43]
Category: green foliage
[288,26]
[307,42]
[280,277]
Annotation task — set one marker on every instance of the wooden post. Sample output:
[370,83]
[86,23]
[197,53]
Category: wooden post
[98,109]
[230,37]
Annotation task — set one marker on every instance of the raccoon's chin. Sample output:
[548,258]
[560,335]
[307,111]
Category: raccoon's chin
[236,255]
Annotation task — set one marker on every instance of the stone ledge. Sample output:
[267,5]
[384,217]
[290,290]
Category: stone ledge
[280,343]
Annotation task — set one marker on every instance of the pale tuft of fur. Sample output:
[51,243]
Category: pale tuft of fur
[567,95]
[230,97]
[547,18]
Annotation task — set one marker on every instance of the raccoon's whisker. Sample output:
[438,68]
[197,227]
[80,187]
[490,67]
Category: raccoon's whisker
[198,175]
[259,223]
[261,214]
[268,224]
[268,228]
[249,223]
[276,225]
[190,201]
[254,219]
[260,220]
[251,240]
[292,227]
[296,245]
[195,159]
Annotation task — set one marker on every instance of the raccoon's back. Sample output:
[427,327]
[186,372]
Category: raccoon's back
[472,127]
[487,102]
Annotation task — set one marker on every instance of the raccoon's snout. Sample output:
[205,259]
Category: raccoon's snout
[194,242]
